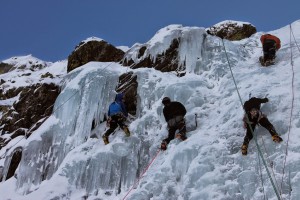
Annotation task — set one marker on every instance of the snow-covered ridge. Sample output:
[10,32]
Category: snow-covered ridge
[88,40]
[28,70]
[226,22]
[195,51]
[26,61]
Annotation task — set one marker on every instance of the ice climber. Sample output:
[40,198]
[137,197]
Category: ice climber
[255,116]
[117,115]
[270,44]
[174,113]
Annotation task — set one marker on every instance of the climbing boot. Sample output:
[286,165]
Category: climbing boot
[272,61]
[126,131]
[262,61]
[105,139]
[244,149]
[163,146]
[276,138]
[181,136]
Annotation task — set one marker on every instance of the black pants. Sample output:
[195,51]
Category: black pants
[269,49]
[116,120]
[264,122]
[172,130]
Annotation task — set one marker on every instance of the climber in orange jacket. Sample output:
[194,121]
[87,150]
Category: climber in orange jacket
[270,44]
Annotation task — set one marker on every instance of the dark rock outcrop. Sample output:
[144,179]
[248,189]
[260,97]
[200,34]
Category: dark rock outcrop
[232,31]
[14,163]
[165,62]
[34,104]
[93,51]
[4,68]
[128,85]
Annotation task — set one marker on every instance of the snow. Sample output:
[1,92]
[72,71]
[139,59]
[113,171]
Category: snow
[223,23]
[208,165]
[9,102]
[92,39]
[27,61]
[123,48]
[25,76]
[88,40]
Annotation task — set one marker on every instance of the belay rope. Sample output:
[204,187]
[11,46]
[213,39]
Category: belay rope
[248,122]
[261,176]
[291,114]
[141,176]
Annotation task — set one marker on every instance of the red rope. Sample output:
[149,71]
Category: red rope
[137,181]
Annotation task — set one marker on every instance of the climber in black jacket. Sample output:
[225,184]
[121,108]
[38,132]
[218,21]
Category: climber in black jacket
[255,116]
[174,113]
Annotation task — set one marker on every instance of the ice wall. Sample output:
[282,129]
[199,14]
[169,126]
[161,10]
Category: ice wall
[112,169]
[198,52]
[86,95]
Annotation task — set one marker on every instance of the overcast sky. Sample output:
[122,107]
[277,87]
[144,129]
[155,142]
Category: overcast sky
[50,30]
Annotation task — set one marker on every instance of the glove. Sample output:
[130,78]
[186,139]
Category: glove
[163,146]
[266,99]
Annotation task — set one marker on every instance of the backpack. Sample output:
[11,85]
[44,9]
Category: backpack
[114,108]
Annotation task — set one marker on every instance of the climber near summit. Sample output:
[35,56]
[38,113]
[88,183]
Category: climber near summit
[255,116]
[117,115]
[174,113]
[270,44]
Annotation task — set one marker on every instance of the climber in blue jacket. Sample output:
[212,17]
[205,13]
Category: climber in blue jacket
[117,115]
